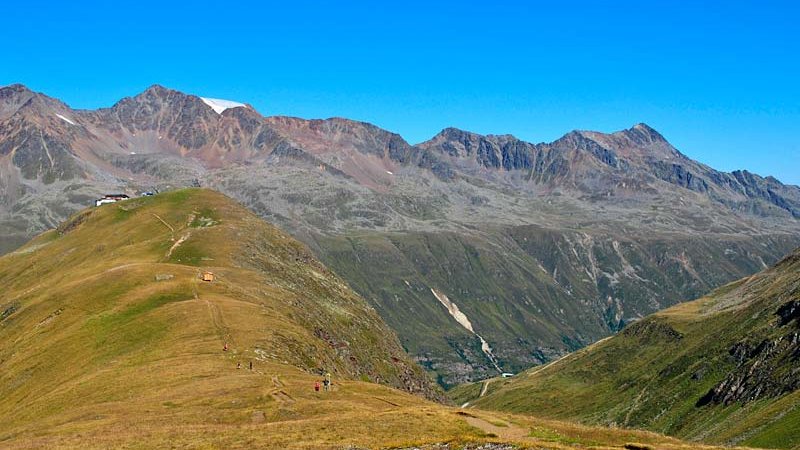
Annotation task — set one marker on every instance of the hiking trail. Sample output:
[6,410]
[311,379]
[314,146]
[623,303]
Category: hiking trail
[509,431]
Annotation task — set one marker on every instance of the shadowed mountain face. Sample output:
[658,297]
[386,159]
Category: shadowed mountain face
[542,248]
[723,369]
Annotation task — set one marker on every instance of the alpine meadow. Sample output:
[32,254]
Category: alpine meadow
[447,226]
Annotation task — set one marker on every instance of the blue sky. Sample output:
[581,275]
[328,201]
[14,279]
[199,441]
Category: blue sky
[718,78]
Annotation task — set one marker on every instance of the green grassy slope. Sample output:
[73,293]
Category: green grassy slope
[110,308]
[109,339]
[724,369]
[533,293]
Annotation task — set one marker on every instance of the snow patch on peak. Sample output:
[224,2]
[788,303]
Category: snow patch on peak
[65,119]
[219,105]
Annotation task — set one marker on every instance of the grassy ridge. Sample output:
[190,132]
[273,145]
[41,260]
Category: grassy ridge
[666,372]
[94,310]
[108,338]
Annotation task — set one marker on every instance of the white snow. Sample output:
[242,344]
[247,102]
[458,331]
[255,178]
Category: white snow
[65,119]
[220,105]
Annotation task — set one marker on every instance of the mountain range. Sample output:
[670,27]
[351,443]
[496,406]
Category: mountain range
[485,254]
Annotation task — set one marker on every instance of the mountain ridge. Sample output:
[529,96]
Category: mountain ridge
[545,247]
[176,232]
[639,130]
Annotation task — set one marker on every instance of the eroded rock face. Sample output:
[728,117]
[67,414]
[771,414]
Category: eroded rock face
[768,369]
[758,374]
[653,329]
[788,312]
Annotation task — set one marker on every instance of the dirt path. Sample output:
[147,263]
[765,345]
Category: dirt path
[566,357]
[279,394]
[216,321]
[385,401]
[164,222]
[510,431]
[177,244]
[485,387]
[282,397]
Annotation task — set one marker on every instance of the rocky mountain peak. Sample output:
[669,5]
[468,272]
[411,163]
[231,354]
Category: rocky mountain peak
[453,141]
[643,134]
[158,90]
[32,102]
[503,137]
[12,98]
[33,107]
[183,118]
[12,89]
[248,117]
[157,98]
[160,93]
[454,134]
[337,134]
[639,144]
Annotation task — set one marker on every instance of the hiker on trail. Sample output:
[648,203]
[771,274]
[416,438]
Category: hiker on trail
[225,348]
[251,365]
[327,382]
[238,365]
[316,386]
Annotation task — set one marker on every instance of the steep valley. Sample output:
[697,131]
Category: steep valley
[720,369]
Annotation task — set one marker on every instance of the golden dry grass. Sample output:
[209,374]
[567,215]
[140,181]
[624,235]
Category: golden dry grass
[96,352]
